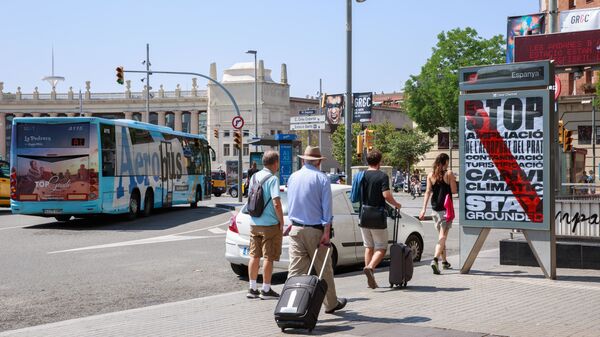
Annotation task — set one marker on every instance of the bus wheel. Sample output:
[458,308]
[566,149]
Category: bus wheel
[62,218]
[148,204]
[195,203]
[134,205]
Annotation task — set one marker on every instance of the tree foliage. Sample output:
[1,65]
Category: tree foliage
[432,96]
[400,148]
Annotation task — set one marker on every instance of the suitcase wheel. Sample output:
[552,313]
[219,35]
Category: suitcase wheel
[282,329]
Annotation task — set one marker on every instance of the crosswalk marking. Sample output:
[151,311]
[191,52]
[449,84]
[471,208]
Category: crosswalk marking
[217,231]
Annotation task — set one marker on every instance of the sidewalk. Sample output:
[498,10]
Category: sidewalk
[492,300]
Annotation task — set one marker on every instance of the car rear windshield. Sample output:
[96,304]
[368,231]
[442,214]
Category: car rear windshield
[284,204]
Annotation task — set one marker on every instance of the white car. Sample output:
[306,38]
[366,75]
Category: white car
[347,242]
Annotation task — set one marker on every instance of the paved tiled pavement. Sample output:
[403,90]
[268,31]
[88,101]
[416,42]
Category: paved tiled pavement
[492,300]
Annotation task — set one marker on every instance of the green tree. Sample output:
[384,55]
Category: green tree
[338,144]
[432,96]
[400,148]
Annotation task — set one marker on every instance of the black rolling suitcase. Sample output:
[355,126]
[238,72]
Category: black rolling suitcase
[301,299]
[401,259]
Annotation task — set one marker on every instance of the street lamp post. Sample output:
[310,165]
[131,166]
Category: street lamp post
[254,52]
[348,109]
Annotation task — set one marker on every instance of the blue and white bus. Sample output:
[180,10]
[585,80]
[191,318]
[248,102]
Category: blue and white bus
[78,166]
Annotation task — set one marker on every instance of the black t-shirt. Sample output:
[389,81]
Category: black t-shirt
[374,183]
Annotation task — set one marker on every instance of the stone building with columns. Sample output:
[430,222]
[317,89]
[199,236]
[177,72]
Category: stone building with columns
[181,110]
[208,111]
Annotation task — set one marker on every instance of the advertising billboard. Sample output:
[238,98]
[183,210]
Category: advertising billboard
[532,24]
[363,103]
[334,108]
[579,19]
[566,49]
[504,159]
[71,174]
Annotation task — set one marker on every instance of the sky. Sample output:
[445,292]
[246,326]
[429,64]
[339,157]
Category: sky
[392,39]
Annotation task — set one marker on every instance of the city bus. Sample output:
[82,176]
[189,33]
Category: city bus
[78,166]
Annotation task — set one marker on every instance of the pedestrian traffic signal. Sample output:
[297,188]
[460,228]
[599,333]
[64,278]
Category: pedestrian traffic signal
[216,132]
[369,139]
[237,139]
[567,140]
[561,131]
[120,75]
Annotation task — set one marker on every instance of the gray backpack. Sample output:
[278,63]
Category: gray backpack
[256,199]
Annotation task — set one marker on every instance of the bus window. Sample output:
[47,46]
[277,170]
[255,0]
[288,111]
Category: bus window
[109,157]
[140,136]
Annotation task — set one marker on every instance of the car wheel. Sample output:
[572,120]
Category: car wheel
[148,204]
[62,218]
[414,243]
[233,193]
[239,269]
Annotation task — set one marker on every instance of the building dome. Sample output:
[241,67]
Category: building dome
[243,72]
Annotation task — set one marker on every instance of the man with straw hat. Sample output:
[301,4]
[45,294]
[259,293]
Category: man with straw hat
[310,210]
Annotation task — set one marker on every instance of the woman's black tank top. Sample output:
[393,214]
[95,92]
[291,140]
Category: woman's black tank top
[440,189]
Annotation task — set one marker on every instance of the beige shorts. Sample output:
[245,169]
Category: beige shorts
[439,218]
[375,238]
[265,241]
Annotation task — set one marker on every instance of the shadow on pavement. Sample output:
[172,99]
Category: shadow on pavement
[159,220]
[355,319]
[354,316]
[431,289]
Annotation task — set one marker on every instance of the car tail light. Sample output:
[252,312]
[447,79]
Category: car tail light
[13,183]
[233,224]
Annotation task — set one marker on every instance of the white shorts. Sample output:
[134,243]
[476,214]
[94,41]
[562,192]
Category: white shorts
[375,238]
[439,218]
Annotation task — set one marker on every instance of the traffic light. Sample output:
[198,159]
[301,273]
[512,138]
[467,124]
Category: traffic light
[216,132]
[567,140]
[359,145]
[120,75]
[323,99]
[369,139]
[237,139]
[561,131]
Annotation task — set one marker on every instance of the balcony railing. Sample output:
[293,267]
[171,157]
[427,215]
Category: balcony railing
[106,96]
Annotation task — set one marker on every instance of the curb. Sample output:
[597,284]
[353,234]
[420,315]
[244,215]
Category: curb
[231,207]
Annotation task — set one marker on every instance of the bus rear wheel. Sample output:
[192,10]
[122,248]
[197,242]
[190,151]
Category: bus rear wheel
[148,203]
[194,204]
[134,205]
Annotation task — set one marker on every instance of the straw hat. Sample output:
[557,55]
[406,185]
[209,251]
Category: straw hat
[312,153]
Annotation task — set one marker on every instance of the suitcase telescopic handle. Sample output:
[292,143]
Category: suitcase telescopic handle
[312,262]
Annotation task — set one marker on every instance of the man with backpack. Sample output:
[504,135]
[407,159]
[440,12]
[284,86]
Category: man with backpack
[266,231]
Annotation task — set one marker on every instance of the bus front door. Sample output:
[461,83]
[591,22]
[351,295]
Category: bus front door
[166,175]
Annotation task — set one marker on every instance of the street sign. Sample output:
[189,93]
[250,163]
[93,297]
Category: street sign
[307,119]
[237,122]
[308,126]
[307,112]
